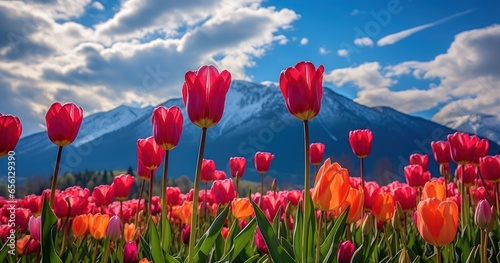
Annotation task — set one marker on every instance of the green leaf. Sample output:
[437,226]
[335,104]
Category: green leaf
[206,242]
[4,251]
[252,259]
[474,255]
[310,218]
[146,251]
[230,236]
[276,221]
[219,247]
[241,240]
[287,246]
[363,253]
[334,235]
[171,259]
[276,251]
[154,243]
[297,231]
[166,231]
[49,231]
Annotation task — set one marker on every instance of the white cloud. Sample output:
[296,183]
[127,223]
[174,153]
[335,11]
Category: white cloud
[364,76]
[343,52]
[363,42]
[393,38]
[323,51]
[98,6]
[304,41]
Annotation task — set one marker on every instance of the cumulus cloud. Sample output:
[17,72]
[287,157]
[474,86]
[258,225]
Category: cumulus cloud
[63,60]
[396,37]
[304,41]
[363,42]
[365,76]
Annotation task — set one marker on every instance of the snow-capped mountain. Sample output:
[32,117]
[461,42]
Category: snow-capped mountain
[484,125]
[255,119]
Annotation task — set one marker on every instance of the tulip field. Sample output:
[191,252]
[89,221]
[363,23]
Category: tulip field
[337,216]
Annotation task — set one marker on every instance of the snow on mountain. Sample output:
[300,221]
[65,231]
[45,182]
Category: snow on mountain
[484,125]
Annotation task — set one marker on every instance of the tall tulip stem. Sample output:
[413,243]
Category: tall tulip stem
[362,176]
[307,193]
[438,254]
[139,202]
[197,179]
[261,188]
[150,195]
[488,197]
[164,203]
[237,179]
[465,212]
[318,241]
[54,176]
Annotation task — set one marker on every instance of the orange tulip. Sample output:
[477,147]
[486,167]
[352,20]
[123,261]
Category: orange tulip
[437,221]
[241,208]
[80,225]
[434,189]
[21,244]
[129,232]
[383,206]
[355,201]
[331,186]
[184,212]
[98,224]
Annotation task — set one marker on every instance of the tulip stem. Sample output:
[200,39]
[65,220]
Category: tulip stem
[94,257]
[362,176]
[237,179]
[66,227]
[497,198]
[484,239]
[438,254]
[194,214]
[318,244]
[205,203]
[464,210]
[261,188]
[139,203]
[164,204]
[150,209]
[121,211]
[54,176]
[488,197]
[386,236]
[307,193]
[108,248]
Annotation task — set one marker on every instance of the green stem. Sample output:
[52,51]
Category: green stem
[261,188]
[464,210]
[164,204]
[307,193]
[150,196]
[483,237]
[121,211]
[106,255]
[54,176]
[139,203]
[438,254]
[318,241]
[497,198]
[488,197]
[386,236]
[237,186]
[94,257]
[66,228]
[362,176]
[194,214]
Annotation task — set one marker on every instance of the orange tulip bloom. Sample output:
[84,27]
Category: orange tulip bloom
[331,186]
[21,244]
[437,221]
[129,232]
[383,206]
[184,212]
[241,208]
[355,200]
[98,224]
[80,225]
[434,189]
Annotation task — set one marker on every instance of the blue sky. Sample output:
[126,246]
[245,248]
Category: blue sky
[434,59]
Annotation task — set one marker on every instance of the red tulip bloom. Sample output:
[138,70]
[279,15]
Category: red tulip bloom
[416,176]
[223,191]
[10,131]
[490,168]
[75,204]
[63,123]
[33,203]
[371,190]
[361,142]
[237,166]
[262,161]
[22,218]
[470,174]
[302,88]
[219,175]
[150,153]
[122,184]
[345,251]
[420,159]
[406,196]
[174,196]
[143,172]
[317,153]
[441,151]
[130,253]
[207,170]
[294,196]
[204,94]
[462,147]
[103,195]
[482,147]
[167,126]
[260,242]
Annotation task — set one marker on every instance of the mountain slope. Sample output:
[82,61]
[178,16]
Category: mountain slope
[484,125]
[255,119]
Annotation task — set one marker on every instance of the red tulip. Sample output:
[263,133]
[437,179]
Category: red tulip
[77,199]
[143,172]
[490,168]
[223,191]
[204,94]
[219,175]
[484,216]
[122,184]
[130,253]
[63,123]
[420,159]
[103,195]
[294,196]
[174,196]
[150,154]
[10,131]
[462,147]
[416,176]
[482,147]
[317,153]
[237,166]
[406,196]
[262,161]
[302,88]
[259,242]
[186,230]
[371,190]
[22,217]
[470,174]
[345,251]
[361,142]
[207,170]
[167,126]
[33,203]
[441,151]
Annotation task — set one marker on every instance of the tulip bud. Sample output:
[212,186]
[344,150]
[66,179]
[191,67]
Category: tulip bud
[130,253]
[368,223]
[345,251]
[114,230]
[35,226]
[404,257]
[398,217]
[484,216]
[186,231]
